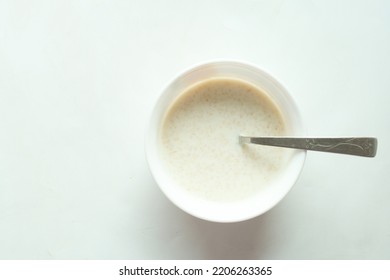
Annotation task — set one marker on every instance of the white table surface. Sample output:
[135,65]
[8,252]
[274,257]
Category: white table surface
[78,80]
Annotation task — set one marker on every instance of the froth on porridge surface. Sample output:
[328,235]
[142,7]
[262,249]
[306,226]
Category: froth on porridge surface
[200,144]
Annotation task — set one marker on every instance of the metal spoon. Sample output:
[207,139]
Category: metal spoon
[358,146]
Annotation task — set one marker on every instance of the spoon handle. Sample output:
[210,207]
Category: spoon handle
[358,146]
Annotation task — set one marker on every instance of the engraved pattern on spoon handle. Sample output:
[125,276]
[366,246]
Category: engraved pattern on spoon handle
[359,146]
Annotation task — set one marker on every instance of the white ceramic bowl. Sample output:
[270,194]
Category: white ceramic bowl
[223,211]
